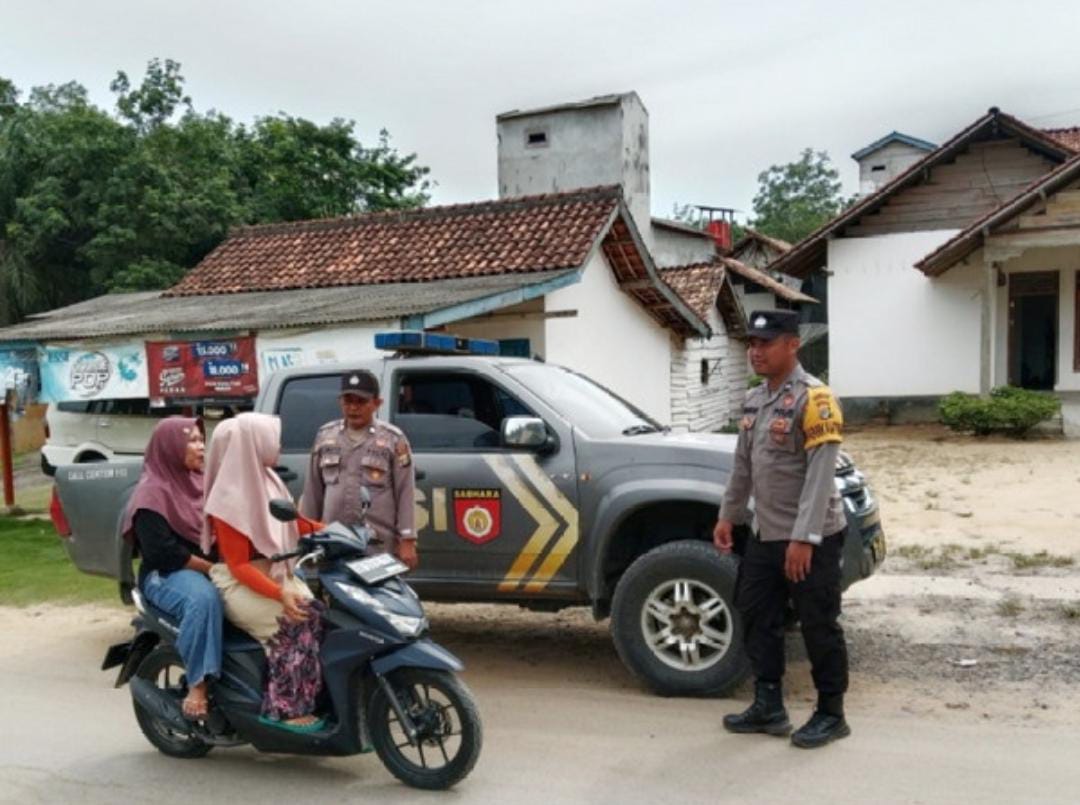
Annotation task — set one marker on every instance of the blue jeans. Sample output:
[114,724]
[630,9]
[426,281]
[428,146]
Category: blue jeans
[193,600]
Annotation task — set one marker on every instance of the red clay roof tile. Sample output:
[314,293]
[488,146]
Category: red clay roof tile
[535,233]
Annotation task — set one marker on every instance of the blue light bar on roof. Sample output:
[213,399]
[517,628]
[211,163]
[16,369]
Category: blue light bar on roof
[434,343]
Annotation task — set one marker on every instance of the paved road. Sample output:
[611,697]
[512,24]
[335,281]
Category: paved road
[563,723]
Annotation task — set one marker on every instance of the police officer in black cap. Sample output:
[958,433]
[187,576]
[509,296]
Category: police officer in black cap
[358,451]
[789,438]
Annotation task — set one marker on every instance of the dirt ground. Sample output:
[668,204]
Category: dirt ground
[976,612]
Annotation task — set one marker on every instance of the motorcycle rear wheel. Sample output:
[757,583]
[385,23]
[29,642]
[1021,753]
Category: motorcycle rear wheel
[448,722]
[164,668]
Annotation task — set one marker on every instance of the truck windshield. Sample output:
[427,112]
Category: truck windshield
[583,402]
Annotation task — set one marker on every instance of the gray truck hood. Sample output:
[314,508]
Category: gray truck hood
[709,451]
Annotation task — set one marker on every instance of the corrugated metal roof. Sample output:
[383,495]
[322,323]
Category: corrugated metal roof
[142,313]
[612,99]
[893,137]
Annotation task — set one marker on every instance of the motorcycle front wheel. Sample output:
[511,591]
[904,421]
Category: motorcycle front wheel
[445,715]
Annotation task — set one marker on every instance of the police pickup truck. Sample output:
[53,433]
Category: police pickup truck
[535,486]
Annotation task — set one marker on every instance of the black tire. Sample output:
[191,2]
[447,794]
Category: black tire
[90,458]
[710,662]
[164,668]
[414,687]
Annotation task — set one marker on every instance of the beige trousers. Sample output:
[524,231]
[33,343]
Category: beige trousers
[255,614]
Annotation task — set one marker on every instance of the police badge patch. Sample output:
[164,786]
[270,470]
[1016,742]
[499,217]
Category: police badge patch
[478,514]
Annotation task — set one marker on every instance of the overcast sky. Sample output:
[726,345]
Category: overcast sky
[731,87]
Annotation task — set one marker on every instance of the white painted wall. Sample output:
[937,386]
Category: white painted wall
[673,248]
[585,146]
[1066,261]
[612,340]
[710,406]
[283,349]
[893,331]
[512,322]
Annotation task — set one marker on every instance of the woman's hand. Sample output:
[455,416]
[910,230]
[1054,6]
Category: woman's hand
[295,605]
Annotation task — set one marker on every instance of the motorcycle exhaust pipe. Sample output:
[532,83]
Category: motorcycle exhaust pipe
[159,704]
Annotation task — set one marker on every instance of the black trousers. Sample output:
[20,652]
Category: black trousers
[761,597]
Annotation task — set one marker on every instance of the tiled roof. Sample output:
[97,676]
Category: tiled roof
[536,233]
[697,284]
[1069,137]
[704,286]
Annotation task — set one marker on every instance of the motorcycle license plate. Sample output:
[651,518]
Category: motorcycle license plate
[373,569]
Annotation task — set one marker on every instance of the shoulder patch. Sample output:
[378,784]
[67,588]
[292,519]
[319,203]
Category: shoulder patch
[404,454]
[823,421]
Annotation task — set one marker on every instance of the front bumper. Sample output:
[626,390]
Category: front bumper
[864,540]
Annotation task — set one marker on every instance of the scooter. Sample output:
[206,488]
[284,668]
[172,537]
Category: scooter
[386,685]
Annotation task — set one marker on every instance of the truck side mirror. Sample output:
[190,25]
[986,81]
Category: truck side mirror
[525,432]
[284,510]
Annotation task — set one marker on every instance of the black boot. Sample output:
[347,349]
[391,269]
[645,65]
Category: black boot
[826,725]
[766,714]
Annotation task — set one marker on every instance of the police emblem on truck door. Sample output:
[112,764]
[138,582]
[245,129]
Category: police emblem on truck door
[478,514]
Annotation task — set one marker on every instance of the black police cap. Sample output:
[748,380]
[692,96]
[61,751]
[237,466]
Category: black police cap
[771,323]
[360,382]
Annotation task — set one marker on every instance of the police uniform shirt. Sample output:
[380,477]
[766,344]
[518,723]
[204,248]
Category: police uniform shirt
[785,459]
[340,465]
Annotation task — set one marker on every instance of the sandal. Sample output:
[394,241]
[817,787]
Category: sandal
[194,709]
[314,726]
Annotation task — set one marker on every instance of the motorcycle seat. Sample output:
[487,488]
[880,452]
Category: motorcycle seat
[233,638]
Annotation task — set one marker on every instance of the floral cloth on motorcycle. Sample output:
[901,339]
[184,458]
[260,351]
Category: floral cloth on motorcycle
[294,673]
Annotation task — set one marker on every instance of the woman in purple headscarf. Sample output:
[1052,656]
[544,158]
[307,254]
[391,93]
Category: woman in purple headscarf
[164,519]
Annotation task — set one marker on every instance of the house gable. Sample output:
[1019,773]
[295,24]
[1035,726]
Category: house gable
[953,194]
[995,126]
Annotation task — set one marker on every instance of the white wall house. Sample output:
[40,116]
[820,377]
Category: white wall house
[960,275]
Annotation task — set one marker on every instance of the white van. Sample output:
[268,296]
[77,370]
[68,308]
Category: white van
[108,430]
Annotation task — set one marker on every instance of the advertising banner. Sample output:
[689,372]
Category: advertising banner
[202,369]
[99,372]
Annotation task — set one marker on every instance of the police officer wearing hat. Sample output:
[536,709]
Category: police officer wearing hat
[789,438]
[357,451]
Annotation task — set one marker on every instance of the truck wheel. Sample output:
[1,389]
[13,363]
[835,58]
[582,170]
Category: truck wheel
[674,621]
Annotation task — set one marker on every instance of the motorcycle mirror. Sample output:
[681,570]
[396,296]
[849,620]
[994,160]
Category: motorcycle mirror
[284,510]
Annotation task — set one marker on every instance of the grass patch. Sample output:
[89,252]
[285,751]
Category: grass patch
[34,568]
[1031,561]
[943,557]
[1009,607]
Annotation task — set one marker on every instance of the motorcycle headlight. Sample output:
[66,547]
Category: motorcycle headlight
[406,624]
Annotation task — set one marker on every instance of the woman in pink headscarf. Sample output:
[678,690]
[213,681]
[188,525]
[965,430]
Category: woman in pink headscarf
[262,597]
[164,520]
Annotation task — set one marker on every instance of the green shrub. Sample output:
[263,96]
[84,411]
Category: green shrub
[1008,410]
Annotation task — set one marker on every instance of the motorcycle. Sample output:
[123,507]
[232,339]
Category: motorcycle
[387,686]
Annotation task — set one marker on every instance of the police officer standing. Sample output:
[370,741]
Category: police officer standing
[789,438]
[357,451]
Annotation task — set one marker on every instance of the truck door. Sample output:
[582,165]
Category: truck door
[305,404]
[491,521]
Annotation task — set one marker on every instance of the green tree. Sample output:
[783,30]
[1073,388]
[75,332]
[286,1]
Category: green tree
[795,199]
[92,202]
